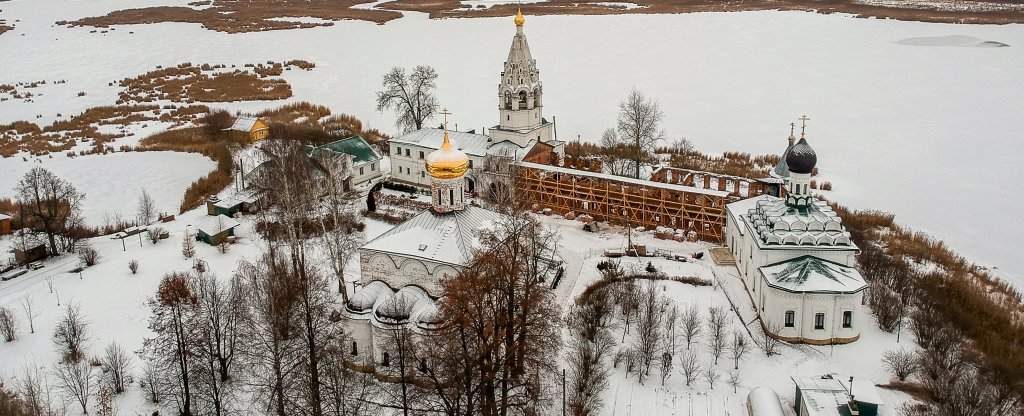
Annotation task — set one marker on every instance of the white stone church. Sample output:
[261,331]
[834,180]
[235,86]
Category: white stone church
[796,259]
[401,270]
[521,124]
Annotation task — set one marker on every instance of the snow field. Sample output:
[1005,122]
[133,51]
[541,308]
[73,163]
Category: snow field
[928,133]
[112,183]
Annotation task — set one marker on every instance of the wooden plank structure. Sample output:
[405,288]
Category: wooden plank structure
[624,201]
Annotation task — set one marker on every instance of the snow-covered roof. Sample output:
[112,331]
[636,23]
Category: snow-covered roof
[244,123]
[765,402]
[863,391]
[829,396]
[215,224]
[444,238]
[469,143]
[777,225]
[4,216]
[812,274]
[608,176]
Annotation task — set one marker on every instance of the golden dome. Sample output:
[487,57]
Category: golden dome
[447,162]
[519,18]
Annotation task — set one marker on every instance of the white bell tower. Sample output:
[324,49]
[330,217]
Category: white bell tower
[520,96]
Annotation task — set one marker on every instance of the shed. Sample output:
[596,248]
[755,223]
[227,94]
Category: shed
[254,127]
[215,230]
[5,224]
[828,396]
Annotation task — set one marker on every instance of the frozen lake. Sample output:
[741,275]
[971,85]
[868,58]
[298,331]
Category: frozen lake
[931,133]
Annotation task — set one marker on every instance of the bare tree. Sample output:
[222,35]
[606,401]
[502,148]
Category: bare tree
[340,236]
[691,322]
[410,96]
[711,375]
[146,208]
[400,348]
[587,362]
[734,380]
[76,380]
[771,343]
[117,365]
[51,202]
[188,244]
[648,339]
[69,336]
[671,322]
[902,363]
[172,350]
[151,384]
[639,126]
[738,347]
[511,367]
[689,366]
[8,324]
[716,331]
[28,305]
[666,366]
[38,394]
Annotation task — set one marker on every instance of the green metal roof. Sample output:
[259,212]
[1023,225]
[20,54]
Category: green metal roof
[355,146]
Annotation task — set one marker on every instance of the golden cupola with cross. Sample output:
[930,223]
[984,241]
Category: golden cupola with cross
[448,162]
[447,167]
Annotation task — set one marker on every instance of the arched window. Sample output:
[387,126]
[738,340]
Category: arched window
[508,100]
[385,360]
[423,365]
[522,100]
[355,348]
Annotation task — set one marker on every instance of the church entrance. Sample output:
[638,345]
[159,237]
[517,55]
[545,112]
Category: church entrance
[470,185]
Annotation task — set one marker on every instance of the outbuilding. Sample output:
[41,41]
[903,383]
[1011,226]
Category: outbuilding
[214,230]
[5,224]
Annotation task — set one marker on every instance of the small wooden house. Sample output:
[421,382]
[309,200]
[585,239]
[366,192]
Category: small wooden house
[33,253]
[253,127]
[214,230]
[5,224]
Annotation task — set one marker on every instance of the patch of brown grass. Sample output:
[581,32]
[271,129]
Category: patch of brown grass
[207,83]
[1003,12]
[234,16]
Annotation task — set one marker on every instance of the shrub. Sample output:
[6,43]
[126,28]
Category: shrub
[133,265]
[88,255]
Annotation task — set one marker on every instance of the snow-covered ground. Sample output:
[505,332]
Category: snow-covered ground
[112,183]
[114,301]
[929,133]
[625,396]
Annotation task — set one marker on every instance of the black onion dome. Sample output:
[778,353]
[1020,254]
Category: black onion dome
[801,158]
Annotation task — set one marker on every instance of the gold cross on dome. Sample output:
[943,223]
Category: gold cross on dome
[803,127]
[445,113]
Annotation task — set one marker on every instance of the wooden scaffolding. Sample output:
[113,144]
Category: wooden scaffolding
[624,201]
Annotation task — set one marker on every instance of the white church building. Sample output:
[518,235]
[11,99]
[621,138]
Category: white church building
[796,259]
[520,127]
[401,269]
